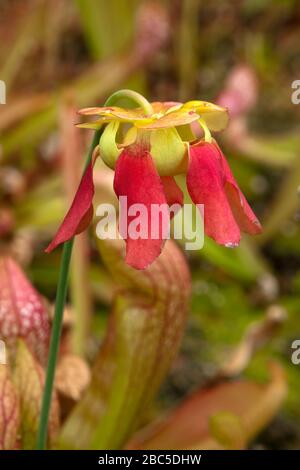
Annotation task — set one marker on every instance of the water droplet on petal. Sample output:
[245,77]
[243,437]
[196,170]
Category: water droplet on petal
[231,245]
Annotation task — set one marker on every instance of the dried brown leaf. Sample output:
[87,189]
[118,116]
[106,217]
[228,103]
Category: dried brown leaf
[72,376]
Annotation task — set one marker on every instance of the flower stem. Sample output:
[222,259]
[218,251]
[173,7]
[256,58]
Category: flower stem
[62,285]
[54,343]
[134,96]
[61,294]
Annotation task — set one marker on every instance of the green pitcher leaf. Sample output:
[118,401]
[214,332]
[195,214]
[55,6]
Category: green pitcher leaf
[9,411]
[29,380]
[142,339]
[23,312]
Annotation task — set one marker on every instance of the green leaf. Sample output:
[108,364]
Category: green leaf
[9,411]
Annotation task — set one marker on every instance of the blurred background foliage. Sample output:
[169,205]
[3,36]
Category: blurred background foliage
[59,55]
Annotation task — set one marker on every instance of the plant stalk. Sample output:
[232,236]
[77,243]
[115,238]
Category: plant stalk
[61,294]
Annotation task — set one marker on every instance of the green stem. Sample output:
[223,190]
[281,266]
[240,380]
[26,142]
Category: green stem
[133,96]
[62,285]
[61,294]
[54,343]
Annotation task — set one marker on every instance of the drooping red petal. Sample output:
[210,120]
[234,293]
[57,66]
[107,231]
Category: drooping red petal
[242,212]
[137,179]
[80,213]
[173,193]
[206,185]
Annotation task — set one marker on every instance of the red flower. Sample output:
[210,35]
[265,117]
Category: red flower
[211,183]
[136,178]
[145,159]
